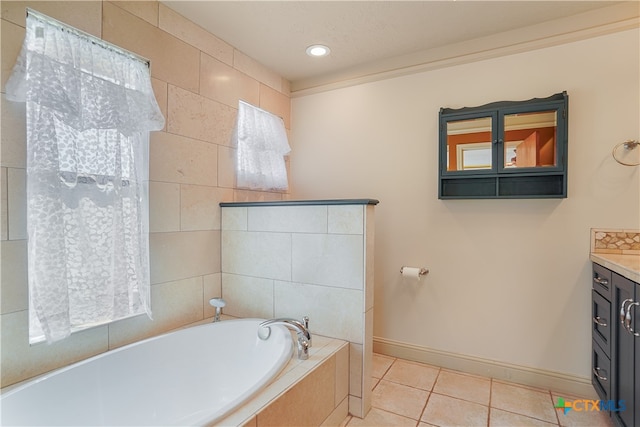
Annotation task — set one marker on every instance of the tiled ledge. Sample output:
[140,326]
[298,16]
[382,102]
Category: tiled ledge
[617,250]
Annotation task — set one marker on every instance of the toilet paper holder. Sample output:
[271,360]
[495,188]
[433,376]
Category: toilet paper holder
[423,271]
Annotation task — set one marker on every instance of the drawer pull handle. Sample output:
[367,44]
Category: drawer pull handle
[600,321]
[596,372]
[627,319]
[623,308]
[601,281]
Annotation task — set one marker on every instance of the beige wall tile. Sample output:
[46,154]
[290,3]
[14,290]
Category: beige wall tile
[253,422]
[292,219]
[83,15]
[174,304]
[355,407]
[367,362]
[200,207]
[328,259]
[294,408]
[226,166]
[333,312]
[369,256]
[173,158]
[346,219]
[212,288]
[147,10]
[160,91]
[257,254]
[176,24]
[338,415]
[342,374]
[24,361]
[14,287]
[164,207]
[12,37]
[277,103]
[355,369]
[225,84]
[253,68]
[198,117]
[234,218]
[172,60]
[181,255]
[14,133]
[4,230]
[17,203]
[247,296]
[255,196]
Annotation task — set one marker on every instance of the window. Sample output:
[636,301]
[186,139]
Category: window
[90,108]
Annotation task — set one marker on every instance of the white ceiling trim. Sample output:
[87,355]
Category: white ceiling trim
[621,17]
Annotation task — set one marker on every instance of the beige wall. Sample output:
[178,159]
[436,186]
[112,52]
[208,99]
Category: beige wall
[198,80]
[509,280]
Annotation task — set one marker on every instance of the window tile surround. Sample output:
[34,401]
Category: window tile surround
[316,260]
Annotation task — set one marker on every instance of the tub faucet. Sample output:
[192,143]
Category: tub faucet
[301,329]
[218,303]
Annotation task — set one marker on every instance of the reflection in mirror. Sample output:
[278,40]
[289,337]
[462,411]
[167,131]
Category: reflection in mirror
[530,139]
[469,144]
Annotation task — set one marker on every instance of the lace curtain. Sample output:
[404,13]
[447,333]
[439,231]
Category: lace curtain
[261,140]
[90,108]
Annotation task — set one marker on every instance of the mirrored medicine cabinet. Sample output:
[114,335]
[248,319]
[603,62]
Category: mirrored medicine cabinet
[509,149]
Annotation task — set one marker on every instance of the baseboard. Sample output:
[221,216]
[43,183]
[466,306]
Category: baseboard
[556,381]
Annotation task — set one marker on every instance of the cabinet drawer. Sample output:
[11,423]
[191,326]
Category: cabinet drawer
[601,321]
[600,372]
[601,278]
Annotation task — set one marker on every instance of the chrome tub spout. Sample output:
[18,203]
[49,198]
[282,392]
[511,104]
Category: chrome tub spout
[301,329]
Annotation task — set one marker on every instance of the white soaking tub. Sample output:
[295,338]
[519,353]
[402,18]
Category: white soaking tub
[193,376]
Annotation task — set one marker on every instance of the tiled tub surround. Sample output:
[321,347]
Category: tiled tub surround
[198,80]
[313,258]
[310,392]
[617,250]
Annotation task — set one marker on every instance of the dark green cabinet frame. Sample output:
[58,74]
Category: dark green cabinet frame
[498,181]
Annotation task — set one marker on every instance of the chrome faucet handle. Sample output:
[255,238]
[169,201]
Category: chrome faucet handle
[303,334]
[305,322]
[218,303]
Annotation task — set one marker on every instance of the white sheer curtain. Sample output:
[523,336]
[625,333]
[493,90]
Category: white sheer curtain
[262,143]
[90,108]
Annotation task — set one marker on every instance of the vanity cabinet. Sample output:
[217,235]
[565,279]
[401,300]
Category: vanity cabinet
[616,344]
[509,149]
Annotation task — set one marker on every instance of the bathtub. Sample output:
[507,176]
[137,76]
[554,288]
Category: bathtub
[194,376]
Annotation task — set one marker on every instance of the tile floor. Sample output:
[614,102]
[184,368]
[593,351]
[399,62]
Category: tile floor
[414,394]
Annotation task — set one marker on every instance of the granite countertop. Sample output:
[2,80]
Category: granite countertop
[625,265]
[617,250]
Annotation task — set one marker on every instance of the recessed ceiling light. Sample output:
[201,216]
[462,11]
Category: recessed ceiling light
[318,50]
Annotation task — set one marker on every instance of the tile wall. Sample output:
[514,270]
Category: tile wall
[198,80]
[292,261]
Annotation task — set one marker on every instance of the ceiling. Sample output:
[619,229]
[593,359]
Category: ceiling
[362,34]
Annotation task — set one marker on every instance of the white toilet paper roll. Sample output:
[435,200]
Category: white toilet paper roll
[412,272]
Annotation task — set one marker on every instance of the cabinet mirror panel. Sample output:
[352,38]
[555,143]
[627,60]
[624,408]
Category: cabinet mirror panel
[469,144]
[530,139]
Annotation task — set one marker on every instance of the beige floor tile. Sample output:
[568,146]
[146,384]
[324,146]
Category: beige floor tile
[581,418]
[412,374]
[399,399]
[374,382]
[377,418]
[380,365]
[466,387]
[499,418]
[525,401]
[448,411]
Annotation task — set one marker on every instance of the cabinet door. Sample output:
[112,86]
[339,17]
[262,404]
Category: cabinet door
[623,354]
[636,327]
